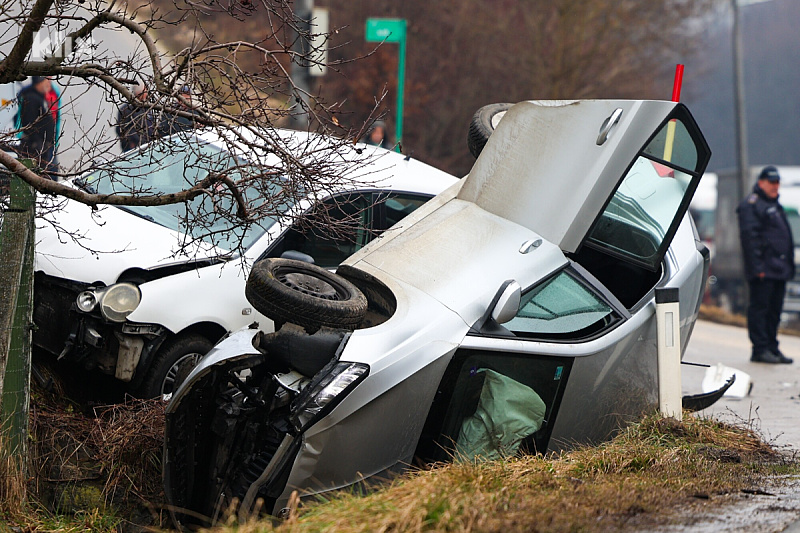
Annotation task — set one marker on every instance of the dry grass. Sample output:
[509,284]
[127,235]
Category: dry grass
[634,481]
[13,486]
[98,469]
[716,314]
[118,444]
[91,469]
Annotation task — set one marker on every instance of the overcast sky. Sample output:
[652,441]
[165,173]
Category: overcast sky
[771,42]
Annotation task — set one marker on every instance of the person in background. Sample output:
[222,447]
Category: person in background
[174,123]
[135,123]
[376,136]
[39,119]
[768,252]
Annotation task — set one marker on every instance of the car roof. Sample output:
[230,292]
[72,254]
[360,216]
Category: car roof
[373,166]
[549,153]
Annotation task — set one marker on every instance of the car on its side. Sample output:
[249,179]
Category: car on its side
[123,290]
[513,313]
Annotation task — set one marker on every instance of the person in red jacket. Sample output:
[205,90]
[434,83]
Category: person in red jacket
[38,120]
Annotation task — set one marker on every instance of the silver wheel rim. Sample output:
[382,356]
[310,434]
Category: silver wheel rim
[168,385]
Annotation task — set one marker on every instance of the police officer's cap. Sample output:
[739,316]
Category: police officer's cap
[770,173]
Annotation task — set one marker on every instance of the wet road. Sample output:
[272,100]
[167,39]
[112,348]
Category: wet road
[773,406]
[772,409]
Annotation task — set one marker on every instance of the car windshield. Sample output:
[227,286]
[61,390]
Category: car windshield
[171,167]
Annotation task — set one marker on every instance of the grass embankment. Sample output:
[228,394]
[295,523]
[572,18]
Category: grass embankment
[720,316]
[638,479]
[98,469]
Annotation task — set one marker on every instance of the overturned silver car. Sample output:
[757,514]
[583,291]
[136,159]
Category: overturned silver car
[513,313]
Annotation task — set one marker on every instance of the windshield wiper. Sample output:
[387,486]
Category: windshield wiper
[84,185]
[138,214]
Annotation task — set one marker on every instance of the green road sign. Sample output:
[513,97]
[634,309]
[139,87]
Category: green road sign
[389,30]
[393,31]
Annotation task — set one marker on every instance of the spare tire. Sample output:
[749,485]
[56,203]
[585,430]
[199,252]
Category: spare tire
[287,290]
[483,123]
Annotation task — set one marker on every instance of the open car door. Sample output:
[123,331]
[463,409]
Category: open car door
[581,175]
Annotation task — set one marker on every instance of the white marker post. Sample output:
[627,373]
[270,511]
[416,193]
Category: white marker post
[669,353]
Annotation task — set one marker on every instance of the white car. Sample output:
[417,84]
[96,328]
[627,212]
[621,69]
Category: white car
[513,313]
[125,299]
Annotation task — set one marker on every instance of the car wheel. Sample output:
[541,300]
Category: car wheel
[287,290]
[172,364]
[483,123]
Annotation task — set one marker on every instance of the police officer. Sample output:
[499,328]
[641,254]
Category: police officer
[768,252]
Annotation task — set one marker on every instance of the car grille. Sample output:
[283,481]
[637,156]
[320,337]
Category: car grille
[53,300]
[217,447]
[258,462]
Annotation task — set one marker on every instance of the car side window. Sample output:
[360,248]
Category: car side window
[561,307]
[643,215]
[331,232]
[397,206]
[494,404]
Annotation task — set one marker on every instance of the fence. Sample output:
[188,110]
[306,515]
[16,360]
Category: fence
[16,303]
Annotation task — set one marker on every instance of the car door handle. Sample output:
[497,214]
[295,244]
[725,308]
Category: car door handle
[608,125]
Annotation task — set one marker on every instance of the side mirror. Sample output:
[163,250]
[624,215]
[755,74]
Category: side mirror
[297,256]
[506,302]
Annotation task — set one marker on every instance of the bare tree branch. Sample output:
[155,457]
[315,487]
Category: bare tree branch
[242,92]
[11,66]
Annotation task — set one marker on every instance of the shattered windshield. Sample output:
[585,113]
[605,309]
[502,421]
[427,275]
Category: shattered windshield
[174,166]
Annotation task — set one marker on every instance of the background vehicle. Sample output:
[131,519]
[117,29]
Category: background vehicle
[513,312]
[125,299]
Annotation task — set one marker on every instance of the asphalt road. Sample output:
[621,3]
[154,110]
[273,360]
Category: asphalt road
[773,405]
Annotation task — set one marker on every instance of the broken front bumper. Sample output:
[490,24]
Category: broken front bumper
[236,424]
[86,338]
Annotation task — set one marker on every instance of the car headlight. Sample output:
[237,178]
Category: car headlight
[116,301]
[322,395]
[86,301]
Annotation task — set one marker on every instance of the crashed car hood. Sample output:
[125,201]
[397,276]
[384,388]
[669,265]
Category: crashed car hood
[79,244]
[467,254]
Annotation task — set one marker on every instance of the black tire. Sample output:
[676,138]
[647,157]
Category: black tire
[301,293]
[483,123]
[172,364]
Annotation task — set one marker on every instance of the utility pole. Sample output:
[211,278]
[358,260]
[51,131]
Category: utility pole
[741,119]
[301,76]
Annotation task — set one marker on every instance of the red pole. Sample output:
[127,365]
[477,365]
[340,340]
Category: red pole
[676,86]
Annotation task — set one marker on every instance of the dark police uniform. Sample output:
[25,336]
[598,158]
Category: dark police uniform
[768,249]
